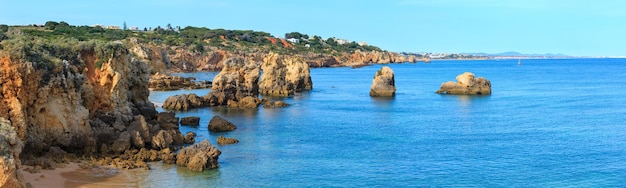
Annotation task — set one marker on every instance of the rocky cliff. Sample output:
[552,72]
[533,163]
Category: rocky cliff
[284,75]
[383,84]
[86,99]
[467,85]
[163,58]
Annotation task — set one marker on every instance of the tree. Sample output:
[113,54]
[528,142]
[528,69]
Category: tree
[4,28]
[169,27]
[145,29]
[50,25]
[124,27]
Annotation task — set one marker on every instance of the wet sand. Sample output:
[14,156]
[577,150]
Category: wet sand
[72,175]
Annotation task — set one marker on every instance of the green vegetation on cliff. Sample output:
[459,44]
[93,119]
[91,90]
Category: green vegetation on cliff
[199,39]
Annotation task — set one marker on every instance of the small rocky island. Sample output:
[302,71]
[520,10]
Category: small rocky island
[383,84]
[467,85]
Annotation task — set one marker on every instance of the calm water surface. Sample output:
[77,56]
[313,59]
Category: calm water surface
[548,123]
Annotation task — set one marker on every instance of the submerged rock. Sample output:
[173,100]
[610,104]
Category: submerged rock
[223,140]
[383,84]
[467,85]
[191,121]
[218,124]
[274,104]
[199,157]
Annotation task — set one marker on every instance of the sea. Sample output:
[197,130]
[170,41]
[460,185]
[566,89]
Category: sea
[547,123]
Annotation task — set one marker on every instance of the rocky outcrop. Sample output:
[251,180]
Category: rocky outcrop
[219,124]
[383,84]
[84,100]
[11,147]
[284,75]
[185,102]
[191,121]
[467,85]
[237,80]
[221,140]
[199,157]
[160,82]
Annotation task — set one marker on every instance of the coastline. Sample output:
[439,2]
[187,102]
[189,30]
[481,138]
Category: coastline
[83,175]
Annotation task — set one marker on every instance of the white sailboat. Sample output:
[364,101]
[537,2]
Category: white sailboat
[519,61]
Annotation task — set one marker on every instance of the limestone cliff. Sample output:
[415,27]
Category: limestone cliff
[467,85]
[383,84]
[89,100]
[284,75]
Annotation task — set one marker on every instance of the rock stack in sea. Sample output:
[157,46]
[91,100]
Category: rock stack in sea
[236,86]
[237,80]
[383,84]
[284,75]
[467,85]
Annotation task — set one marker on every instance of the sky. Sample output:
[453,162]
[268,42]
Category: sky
[571,27]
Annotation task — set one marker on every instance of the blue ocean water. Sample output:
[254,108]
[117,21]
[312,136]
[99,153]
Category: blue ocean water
[548,123]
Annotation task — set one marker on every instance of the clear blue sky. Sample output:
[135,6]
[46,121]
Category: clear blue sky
[572,27]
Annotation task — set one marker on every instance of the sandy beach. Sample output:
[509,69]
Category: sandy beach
[73,175]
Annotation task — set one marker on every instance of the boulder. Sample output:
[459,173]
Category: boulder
[383,84]
[467,85]
[199,157]
[221,140]
[191,121]
[184,102]
[190,137]
[122,143]
[167,120]
[162,140]
[218,124]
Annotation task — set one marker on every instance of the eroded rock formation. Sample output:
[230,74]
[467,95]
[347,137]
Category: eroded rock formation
[467,85]
[199,157]
[383,84]
[284,75]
